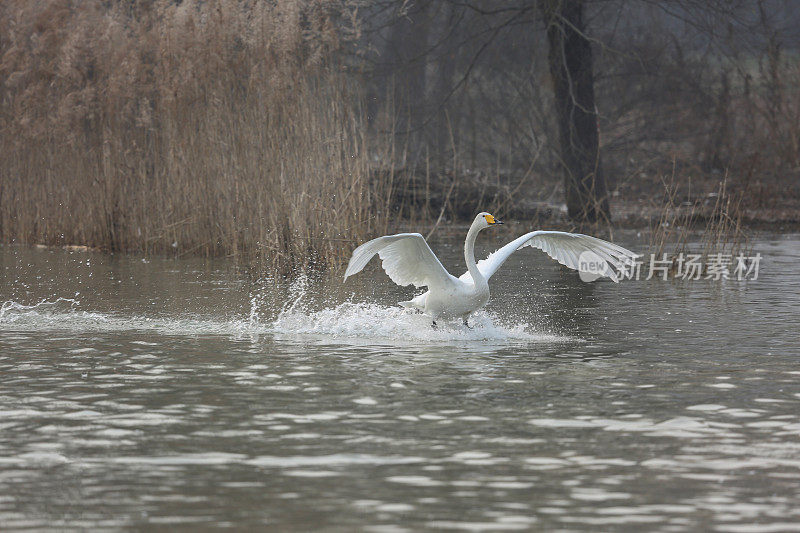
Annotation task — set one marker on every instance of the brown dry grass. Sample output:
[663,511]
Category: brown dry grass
[210,128]
[709,225]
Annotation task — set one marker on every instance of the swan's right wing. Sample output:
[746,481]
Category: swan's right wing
[569,249]
[406,258]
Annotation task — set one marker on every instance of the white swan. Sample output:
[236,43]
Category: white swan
[408,260]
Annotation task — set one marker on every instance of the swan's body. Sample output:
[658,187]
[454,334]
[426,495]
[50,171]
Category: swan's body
[408,260]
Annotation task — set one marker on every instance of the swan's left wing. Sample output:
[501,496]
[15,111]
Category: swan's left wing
[406,258]
[574,250]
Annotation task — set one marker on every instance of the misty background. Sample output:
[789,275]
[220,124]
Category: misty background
[195,127]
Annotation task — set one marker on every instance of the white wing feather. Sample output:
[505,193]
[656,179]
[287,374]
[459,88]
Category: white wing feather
[406,258]
[566,248]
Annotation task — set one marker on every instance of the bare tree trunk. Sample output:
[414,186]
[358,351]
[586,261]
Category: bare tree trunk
[443,141]
[408,46]
[570,59]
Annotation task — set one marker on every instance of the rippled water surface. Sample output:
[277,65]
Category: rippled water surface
[138,393]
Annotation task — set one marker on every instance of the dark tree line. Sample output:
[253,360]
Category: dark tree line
[598,91]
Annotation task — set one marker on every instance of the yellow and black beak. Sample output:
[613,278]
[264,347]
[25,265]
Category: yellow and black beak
[491,220]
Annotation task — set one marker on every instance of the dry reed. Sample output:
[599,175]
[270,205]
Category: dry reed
[708,225]
[208,128]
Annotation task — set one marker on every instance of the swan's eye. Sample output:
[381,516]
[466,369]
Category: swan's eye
[489,219]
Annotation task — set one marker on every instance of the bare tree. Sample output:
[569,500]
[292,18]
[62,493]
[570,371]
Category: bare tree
[570,61]
[517,90]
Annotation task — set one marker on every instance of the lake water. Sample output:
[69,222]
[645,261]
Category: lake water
[140,393]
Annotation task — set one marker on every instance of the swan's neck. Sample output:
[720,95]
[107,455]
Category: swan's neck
[469,255]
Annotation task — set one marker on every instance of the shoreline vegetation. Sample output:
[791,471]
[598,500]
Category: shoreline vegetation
[196,129]
[158,132]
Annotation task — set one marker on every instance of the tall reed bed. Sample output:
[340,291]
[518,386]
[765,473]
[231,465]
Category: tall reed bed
[213,128]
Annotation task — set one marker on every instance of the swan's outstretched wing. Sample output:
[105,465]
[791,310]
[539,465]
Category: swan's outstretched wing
[407,259]
[566,248]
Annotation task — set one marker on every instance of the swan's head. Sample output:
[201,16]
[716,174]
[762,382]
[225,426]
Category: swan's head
[484,220]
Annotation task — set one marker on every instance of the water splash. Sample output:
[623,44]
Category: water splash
[358,320]
[64,314]
[300,315]
[365,320]
[15,312]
